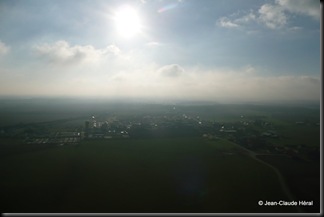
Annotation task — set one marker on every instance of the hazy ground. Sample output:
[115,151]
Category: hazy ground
[184,166]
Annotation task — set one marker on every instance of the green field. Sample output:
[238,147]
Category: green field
[144,175]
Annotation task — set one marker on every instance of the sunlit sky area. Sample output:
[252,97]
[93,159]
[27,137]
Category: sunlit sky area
[218,50]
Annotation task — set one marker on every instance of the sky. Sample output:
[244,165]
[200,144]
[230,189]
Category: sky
[215,50]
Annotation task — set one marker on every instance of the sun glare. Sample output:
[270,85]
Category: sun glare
[127,21]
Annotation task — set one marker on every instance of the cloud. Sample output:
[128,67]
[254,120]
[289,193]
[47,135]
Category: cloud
[111,49]
[310,8]
[172,70]
[272,16]
[226,22]
[61,52]
[4,49]
[247,18]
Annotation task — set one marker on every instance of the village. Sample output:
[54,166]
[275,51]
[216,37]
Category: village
[255,134]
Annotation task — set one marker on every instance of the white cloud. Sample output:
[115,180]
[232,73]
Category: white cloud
[272,16]
[307,7]
[246,18]
[4,49]
[226,22]
[275,15]
[111,49]
[173,70]
[62,52]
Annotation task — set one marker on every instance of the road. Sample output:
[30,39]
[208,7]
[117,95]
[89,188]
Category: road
[282,181]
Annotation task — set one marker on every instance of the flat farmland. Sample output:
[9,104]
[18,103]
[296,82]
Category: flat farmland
[138,175]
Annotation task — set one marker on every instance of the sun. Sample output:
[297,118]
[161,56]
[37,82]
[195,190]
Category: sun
[127,21]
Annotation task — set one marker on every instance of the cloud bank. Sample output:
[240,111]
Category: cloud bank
[173,82]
